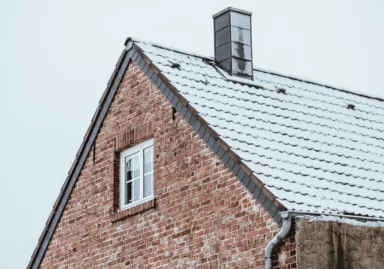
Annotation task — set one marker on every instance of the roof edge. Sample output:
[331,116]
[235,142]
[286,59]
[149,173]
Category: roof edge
[295,213]
[80,159]
[137,40]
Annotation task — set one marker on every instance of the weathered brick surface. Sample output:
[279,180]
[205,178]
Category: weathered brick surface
[202,218]
[285,253]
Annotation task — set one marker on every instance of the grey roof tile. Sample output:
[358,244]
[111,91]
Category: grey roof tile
[311,151]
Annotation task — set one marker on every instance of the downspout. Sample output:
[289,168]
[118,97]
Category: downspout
[287,223]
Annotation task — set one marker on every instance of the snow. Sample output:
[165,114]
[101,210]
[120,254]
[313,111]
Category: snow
[241,35]
[308,149]
[169,48]
[239,49]
[240,20]
[349,221]
[311,81]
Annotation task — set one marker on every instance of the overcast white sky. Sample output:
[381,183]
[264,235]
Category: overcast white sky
[56,58]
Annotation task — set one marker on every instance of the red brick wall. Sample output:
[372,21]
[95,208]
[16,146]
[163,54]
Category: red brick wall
[285,253]
[202,216]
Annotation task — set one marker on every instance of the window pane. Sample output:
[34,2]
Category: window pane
[136,190]
[148,160]
[128,193]
[148,185]
[128,170]
[137,181]
[136,165]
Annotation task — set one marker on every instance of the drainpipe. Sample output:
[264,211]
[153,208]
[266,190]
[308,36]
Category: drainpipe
[287,222]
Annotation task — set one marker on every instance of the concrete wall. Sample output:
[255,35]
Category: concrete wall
[335,245]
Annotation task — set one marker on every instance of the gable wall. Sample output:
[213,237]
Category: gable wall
[201,216]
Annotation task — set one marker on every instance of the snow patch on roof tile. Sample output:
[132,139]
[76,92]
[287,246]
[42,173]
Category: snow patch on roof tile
[311,151]
[303,79]
[171,49]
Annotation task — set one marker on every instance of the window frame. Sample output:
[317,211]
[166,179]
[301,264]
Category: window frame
[139,148]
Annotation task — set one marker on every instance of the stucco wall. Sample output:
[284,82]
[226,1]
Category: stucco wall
[337,245]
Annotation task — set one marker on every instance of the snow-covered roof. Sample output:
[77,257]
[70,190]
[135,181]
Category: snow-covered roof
[316,148]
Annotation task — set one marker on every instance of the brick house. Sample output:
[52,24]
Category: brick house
[200,162]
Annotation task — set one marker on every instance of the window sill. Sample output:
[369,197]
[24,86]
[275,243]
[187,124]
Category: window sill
[133,210]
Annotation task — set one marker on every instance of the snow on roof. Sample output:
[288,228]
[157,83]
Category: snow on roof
[342,220]
[316,148]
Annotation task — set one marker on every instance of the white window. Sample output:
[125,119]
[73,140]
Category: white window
[136,174]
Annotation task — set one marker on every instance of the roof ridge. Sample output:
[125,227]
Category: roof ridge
[261,69]
[137,40]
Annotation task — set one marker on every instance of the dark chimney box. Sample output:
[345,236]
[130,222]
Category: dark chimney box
[233,41]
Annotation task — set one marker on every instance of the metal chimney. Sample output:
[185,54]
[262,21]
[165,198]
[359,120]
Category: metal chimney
[233,41]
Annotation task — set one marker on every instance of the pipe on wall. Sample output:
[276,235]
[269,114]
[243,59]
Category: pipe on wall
[287,223]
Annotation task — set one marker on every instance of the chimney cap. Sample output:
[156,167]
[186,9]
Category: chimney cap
[232,9]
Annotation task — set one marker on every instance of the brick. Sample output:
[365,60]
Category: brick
[203,217]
